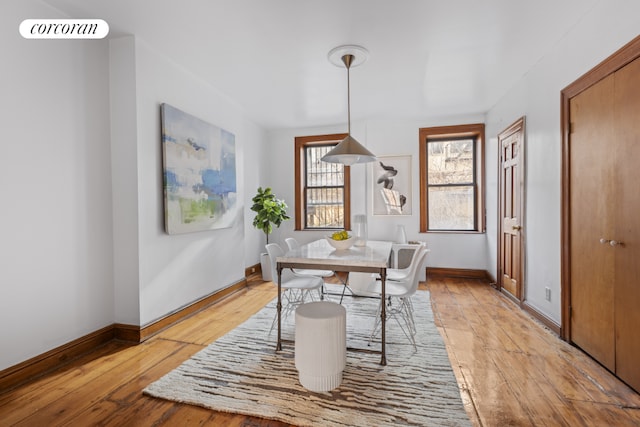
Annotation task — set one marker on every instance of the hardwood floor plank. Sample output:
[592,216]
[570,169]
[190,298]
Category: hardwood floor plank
[210,324]
[146,412]
[129,392]
[86,390]
[511,370]
[489,335]
[492,397]
[27,393]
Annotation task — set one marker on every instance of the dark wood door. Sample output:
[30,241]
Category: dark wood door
[511,143]
[591,211]
[601,223]
[605,224]
[627,231]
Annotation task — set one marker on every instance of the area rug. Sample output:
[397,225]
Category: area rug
[242,373]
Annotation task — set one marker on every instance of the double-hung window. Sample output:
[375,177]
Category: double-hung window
[322,189]
[451,178]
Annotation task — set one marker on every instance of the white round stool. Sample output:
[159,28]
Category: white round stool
[321,344]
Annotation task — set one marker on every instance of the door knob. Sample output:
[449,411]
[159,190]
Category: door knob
[604,241]
[616,243]
[516,227]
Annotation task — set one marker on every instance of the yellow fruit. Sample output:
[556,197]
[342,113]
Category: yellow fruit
[340,235]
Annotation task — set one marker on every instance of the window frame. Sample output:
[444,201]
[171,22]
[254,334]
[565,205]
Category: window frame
[440,133]
[302,142]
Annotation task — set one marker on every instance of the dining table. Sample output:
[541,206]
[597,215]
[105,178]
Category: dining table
[373,257]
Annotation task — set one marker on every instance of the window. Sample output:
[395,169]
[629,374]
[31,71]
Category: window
[451,178]
[322,189]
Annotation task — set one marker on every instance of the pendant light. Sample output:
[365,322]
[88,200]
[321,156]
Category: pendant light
[349,151]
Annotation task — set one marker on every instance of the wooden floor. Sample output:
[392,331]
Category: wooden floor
[511,370]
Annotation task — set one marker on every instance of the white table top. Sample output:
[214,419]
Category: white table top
[320,252]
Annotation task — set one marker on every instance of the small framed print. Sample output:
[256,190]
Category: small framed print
[391,185]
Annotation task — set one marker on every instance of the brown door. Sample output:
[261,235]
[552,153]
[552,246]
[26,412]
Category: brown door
[604,221]
[511,143]
[591,200]
[627,233]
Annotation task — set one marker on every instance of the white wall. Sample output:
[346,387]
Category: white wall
[254,176]
[382,137]
[83,243]
[606,28]
[122,91]
[56,266]
[175,270]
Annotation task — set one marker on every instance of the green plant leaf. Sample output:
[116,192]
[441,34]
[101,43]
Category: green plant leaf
[269,210]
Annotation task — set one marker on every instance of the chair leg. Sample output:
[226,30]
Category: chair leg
[403,315]
[292,298]
[376,323]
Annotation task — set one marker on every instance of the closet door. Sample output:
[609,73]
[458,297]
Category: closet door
[592,204]
[627,254]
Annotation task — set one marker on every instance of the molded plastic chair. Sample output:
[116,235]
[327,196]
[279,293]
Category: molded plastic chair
[398,274]
[293,245]
[364,284]
[398,295]
[296,289]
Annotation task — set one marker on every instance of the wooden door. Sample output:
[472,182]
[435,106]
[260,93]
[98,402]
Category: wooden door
[601,224]
[591,207]
[511,144]
[627,230]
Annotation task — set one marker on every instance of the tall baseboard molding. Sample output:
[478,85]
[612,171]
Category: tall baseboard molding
[458,273]
[38,365]
[253,269]
[158,325]
[542,318]
[485,276]
[52,359]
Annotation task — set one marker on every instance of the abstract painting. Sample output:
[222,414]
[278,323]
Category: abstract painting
[199,173]
[391,185]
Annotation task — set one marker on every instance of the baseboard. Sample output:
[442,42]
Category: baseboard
[44,362]
[57,357]
[486,276]
[158,325]
[253,269]
[130,333]
[464,273]
[546,321]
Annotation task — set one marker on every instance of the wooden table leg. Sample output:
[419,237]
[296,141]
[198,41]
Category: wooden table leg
[279,308]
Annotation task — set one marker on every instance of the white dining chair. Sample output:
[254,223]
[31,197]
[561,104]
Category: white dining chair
[295,289]
[398,295]
[364,284]
[293,245]
[402,273]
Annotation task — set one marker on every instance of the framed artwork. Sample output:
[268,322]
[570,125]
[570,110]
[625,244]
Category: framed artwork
[391,185]
[199,173]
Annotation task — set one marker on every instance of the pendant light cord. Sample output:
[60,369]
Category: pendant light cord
[348,101]
[348,59]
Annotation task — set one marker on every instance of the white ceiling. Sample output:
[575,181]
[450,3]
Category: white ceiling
[427,58]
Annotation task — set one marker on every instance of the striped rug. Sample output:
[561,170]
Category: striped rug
[241,373]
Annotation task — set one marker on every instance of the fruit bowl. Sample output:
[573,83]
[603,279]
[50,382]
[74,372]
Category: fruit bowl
[341,245]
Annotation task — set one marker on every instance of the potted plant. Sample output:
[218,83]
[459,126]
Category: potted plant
[269,211]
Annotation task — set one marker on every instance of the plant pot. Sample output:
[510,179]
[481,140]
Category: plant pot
[265,266]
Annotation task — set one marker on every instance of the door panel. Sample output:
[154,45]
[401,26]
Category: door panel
[511,192]
[627,283]
[591,205]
